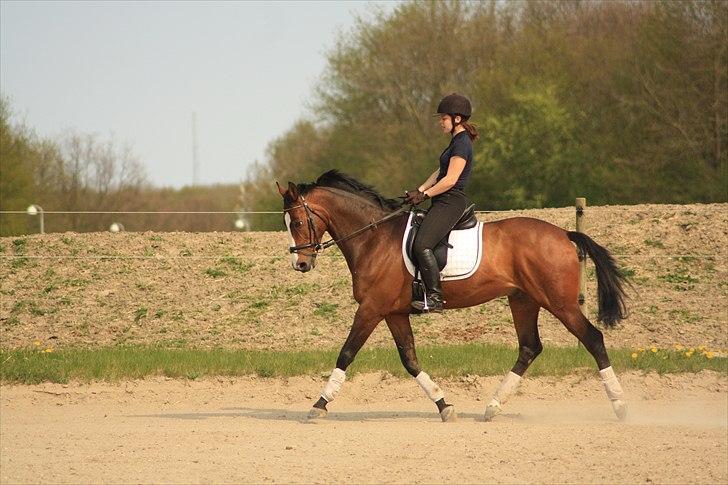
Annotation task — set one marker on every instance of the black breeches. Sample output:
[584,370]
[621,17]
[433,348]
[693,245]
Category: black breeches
[445,212]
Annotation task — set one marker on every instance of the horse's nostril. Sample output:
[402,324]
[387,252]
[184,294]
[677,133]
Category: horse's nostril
[302,265]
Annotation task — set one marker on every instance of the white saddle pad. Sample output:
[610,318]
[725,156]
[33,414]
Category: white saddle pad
[463,258]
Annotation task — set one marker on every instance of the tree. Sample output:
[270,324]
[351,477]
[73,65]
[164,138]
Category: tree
[621,102]
[529,155]
[18,155]
[91,174]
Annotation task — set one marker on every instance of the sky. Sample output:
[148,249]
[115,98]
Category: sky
[136,71]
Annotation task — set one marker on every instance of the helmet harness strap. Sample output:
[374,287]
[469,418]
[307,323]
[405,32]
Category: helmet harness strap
[454,123]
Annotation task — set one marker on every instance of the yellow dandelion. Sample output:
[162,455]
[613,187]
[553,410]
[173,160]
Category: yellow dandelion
[709,355]
[48,350]
[689,353]
[678,347]
[37,343]
[701,347]
[691,350]
[653,350]
[640,349]
[634,355]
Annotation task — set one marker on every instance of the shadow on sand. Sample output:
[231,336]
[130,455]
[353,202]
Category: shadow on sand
[302,416]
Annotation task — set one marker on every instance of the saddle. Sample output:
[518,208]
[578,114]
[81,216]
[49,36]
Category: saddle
[466,221]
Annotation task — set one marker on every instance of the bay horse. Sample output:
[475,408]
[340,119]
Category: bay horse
[534,263]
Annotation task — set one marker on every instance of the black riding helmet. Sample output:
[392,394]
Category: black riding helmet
[455,104]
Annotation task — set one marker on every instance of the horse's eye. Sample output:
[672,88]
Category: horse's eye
[298,223]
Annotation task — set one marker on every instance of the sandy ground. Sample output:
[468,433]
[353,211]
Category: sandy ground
[382,429]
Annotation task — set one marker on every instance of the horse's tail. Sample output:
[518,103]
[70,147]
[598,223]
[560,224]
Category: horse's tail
[610,279]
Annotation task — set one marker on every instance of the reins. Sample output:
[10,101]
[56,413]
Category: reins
[312,228]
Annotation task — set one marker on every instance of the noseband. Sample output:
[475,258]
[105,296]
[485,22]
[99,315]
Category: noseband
[318,247]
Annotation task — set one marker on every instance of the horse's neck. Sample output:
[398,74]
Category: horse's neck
[347,215]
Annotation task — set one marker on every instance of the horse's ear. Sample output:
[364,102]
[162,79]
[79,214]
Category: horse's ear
[281,190]
[293,190]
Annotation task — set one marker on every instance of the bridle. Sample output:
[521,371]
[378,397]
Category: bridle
[311,231]
[318,247]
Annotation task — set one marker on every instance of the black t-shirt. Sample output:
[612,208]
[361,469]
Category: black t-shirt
[460,146]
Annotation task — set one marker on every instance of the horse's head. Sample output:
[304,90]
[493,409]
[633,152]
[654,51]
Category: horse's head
[305,228]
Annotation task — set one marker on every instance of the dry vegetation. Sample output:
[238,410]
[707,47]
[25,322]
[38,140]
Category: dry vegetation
[237,290]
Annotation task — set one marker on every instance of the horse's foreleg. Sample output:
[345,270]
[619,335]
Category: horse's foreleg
[593,340]
[399,325]
[525,317]
[364,323]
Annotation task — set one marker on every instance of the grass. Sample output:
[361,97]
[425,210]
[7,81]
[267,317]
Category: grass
[140,313]
[236,264]
[654,244]
[677,277]
[141,286]
[260,304]
[215,273]
[327,310]
[19,245]
[33,365]
[76,282]
[684,316]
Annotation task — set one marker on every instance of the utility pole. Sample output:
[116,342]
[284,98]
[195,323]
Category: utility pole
[195,152]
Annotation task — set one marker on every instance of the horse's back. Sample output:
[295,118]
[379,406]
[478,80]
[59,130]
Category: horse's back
[526,240]
[521,226]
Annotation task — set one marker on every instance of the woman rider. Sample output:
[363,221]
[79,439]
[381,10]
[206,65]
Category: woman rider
[446,187]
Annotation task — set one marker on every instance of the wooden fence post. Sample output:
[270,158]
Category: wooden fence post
[581,227]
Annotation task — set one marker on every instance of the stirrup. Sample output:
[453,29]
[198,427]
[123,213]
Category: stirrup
[431,304]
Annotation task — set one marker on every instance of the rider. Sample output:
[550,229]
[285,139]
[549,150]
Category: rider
[446,187]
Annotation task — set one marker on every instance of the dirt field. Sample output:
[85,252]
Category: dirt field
[237,290]
[381,429]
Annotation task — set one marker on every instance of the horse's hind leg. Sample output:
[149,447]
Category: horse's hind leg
[593,340]
[525,317]
[401,329]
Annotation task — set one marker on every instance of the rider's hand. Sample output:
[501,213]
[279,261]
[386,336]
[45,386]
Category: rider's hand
[416,197]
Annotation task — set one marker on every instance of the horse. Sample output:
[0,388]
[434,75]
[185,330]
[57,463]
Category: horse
[533,263]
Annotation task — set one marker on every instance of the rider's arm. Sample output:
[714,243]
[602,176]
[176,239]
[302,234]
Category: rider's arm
[457,165]
[430,181]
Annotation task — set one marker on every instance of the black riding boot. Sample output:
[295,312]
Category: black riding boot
[431,278]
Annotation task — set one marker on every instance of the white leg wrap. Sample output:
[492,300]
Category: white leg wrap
[333,386]
[507,387]
[432,390]
[611,384]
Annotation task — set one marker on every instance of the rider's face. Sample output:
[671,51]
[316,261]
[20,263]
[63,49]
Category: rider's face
[446,123]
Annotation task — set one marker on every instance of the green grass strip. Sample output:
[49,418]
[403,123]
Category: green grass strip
[31,366]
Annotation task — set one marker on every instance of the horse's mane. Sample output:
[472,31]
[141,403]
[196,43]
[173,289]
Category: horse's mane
[338,180]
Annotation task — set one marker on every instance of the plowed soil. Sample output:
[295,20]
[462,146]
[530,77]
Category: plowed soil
[237,290]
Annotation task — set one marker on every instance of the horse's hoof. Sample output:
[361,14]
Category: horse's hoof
[316,413]
[620,409]
[492,410]
[448,415]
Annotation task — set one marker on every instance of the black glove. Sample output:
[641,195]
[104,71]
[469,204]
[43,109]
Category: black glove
[415,197]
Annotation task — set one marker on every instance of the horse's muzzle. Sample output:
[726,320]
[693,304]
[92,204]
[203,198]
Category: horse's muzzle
[305,266]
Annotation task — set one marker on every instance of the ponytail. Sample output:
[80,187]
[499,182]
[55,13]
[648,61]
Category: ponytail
[471,129]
